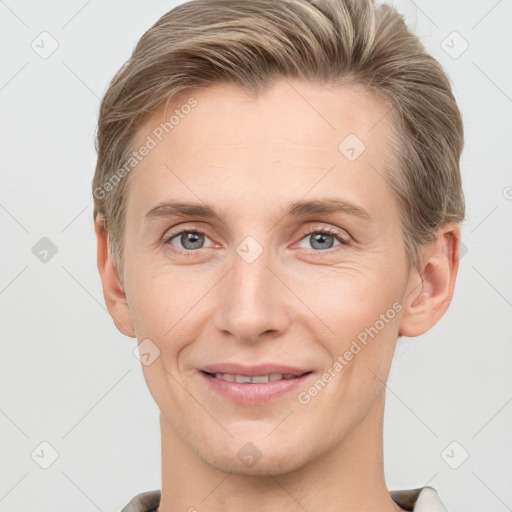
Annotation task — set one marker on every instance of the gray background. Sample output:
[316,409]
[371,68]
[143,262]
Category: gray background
[70,379]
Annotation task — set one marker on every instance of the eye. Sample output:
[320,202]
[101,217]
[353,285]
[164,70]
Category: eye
[322,238]
[190,239]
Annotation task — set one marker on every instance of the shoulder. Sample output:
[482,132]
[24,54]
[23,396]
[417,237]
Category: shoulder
[424,499]
[144,502]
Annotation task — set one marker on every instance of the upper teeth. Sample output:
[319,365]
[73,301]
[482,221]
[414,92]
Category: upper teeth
[257,378]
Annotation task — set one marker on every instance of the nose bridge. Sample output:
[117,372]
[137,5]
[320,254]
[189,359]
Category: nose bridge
[250,303]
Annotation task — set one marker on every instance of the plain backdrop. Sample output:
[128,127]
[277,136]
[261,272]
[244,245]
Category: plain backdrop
[72,392]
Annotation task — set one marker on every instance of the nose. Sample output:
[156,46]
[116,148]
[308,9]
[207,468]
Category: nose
[251,301]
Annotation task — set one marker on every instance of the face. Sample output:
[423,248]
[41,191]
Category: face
[268,275]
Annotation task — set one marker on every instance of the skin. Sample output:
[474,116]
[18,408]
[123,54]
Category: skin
[295,304]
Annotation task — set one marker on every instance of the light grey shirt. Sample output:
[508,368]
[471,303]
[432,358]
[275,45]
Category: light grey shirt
[424,499]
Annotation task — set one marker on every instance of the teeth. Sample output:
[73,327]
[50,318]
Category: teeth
[260,378]
[243,379]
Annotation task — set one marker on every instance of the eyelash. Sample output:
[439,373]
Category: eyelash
[324,230]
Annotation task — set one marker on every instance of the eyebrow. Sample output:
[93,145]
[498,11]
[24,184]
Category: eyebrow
[294,209]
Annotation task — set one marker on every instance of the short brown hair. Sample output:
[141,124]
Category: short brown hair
[253,43]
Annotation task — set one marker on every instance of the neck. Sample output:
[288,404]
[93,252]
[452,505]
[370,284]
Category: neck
[348,478]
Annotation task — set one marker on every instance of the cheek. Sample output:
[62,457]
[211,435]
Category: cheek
[162,310]
[359,313]
[347,299]
[154,301]
[164,306]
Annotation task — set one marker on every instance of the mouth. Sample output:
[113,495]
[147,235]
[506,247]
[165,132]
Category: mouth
[256,385]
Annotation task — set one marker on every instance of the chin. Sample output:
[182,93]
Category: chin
[258,458]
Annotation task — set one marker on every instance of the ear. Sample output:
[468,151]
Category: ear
[430,291]
[113,292]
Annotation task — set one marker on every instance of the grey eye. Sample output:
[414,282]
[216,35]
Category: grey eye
[190,240]
[321,241]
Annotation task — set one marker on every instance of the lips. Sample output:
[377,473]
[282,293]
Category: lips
[253,385]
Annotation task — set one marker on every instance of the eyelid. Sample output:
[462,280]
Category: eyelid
[181,227]
[169,235]
[342,235]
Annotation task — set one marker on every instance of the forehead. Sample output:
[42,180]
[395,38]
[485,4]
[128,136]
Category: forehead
[283,142]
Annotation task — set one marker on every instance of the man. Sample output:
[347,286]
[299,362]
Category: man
[277,199]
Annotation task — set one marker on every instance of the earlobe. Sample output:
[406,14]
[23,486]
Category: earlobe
[113,292]
[430,291]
